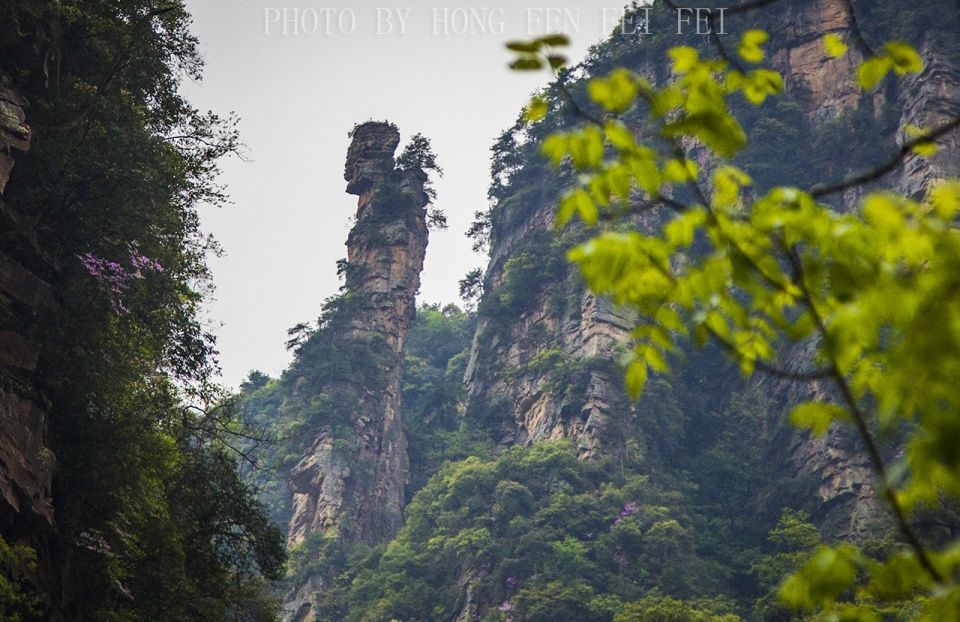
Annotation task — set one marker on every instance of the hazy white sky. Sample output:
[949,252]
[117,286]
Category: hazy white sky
[299,93]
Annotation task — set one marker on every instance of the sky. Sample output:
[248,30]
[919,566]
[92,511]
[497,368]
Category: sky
[300,74]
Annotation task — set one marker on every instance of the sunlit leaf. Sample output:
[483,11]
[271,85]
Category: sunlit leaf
[536,111]
[751,45]
[816,416]
[684,58]
[873,70]
[636,379]
[556,147]
[904,58]
[834,45]
[616,93]
[677,171]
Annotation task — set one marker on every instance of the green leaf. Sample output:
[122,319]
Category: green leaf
[526,64]
[816,416]
[586,148]
[716,129]
[904,58]
[751,43]
[680,231]
[556,147]
[655,359]
[677,171]
[636,379]
[945,198]
[524,46]
[616,93]
[757,85]
[619,136]
[834,45]
[872,70]
[830,573]
[554,40]
[727,181]
[684,58]
[925,149]
[557,61]
[577,202]
[536,111]
[647,175]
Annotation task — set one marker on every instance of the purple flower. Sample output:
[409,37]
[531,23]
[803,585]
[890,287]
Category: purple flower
[628,510]
[506,606]
[113,278]
[511,582]
[141,262]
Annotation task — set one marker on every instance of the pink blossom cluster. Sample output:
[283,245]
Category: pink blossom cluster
[628,510]
[114,278]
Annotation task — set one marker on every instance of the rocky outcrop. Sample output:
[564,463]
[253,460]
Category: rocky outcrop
[352,487]
[26,465]
[507,382]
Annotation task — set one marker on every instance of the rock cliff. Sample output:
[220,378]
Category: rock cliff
[529,337]
[349,483]
[26,465]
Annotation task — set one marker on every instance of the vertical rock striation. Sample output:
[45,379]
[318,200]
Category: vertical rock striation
[26,465]
[352,486]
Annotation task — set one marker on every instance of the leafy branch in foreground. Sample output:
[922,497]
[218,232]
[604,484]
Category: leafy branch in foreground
[875,291]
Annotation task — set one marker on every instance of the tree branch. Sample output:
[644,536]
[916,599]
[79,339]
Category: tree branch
[579,110]
[888,166]
[714,37]
[860,421]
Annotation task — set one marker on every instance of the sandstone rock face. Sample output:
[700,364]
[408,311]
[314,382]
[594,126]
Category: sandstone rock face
[26,465]
[357,487]
[503,383]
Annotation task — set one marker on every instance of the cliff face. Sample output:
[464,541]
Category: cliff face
[350,485]
[26,465]
[506,379]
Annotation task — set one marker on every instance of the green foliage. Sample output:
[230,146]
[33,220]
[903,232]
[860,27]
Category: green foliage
[872,290]
[528,272]
[665,609]
[19,597]
[418,155]
[151,519]
[435,358]
[791,542]
[537,534]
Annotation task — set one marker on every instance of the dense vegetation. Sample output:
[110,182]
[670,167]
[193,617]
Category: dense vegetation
[532,534]
[755,270]
[683,518]
[151,519]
